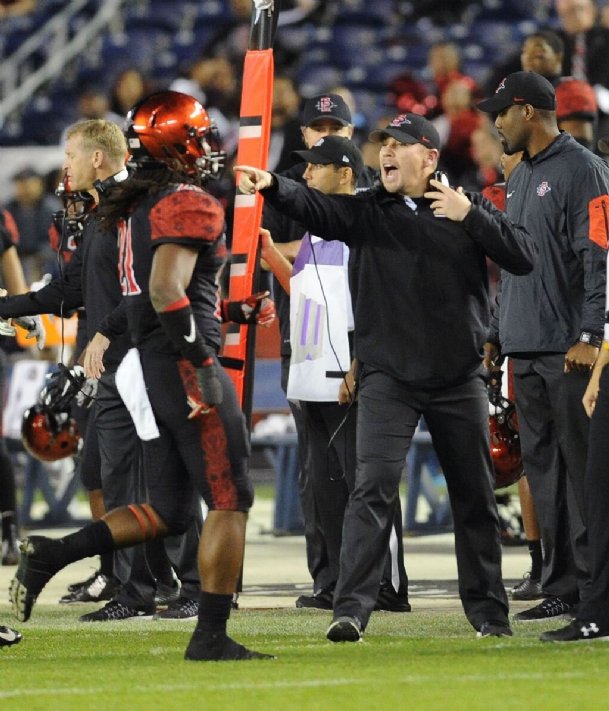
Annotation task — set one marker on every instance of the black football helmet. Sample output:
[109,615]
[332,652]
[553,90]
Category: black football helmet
[505,440]
[48,435]
[173,129]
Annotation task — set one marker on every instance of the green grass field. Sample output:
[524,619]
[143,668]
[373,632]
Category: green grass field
[429,660]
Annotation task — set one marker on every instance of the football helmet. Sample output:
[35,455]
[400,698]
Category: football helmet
[49,436]
[505,440]
[173,129]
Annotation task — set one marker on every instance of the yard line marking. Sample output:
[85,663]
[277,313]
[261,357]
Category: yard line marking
[310,683]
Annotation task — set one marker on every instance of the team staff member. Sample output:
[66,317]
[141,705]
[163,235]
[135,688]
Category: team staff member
[169,231]
[550,322]
[421,319]
[592,616]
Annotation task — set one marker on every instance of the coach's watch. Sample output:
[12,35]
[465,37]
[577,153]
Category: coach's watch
[591,339]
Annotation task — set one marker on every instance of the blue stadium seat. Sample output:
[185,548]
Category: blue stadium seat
[316,78]
[379,13]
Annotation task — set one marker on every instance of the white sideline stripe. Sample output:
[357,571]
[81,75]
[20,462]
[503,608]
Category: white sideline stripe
[250,131]
[310,683]
[242,200]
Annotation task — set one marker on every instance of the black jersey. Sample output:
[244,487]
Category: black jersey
[179,214]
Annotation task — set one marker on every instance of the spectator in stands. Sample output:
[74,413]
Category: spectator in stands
[455,126]
[586,49]
[213,82]
[127,89]
[286,134]
[15,8]
[444,65]
[576,108]
[32,209]
[486,152]
[93,102]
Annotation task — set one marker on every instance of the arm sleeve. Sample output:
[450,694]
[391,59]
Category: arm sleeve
[58,297]
[115,323]
[510,246]
[332,217]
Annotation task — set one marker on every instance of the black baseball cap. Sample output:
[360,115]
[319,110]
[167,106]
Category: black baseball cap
[334,150]
[326,106]
[521,88]
[409,128]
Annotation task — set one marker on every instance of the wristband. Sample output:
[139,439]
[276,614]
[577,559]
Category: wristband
[605,346]
[179,325]
[590,338]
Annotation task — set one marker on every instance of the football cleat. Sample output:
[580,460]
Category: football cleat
[34,571]
[207,647]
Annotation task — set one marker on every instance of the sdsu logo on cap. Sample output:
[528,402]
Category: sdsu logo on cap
[325,105]
[401,120]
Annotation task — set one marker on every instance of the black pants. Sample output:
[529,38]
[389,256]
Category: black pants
[332,471]
[457,418]
[595,604]
[553,434]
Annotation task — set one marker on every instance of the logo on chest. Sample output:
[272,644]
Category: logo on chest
[543,188]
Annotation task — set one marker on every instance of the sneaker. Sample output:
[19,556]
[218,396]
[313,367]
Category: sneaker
[345,629]
[391,601]
[205,647]
[166,594]
[576,631]
[527,589]
[494,629]
[180,609]
[8,637]
[321,600]
[34,571]
[550,607]
[114,610]
[99,588]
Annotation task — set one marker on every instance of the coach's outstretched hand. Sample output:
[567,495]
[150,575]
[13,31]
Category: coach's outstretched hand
[253,179]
